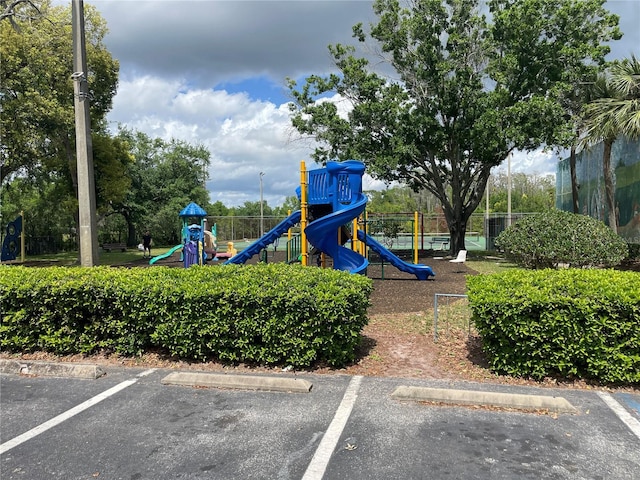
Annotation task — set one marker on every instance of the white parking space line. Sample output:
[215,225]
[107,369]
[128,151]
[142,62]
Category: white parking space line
[320,460]
[619,410]
[14,442]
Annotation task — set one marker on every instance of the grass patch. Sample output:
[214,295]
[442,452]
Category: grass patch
[489,264]
[67,259]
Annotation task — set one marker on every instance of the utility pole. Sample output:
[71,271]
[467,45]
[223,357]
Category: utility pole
[88,234]
[486,207]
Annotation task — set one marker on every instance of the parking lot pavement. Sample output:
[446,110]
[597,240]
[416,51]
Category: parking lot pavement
[632,402]
[129,425]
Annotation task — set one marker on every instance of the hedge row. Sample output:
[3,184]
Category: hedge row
[266,314]
[572,322]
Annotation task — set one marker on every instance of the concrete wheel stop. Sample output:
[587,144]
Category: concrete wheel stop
[239,382]
[50,369]
[487,399]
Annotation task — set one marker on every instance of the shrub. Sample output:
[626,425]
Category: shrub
[554,237]
[580,323]
[267,314]
[634,251]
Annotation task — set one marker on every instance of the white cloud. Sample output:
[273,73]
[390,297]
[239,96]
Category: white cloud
[244,137]
[539,162]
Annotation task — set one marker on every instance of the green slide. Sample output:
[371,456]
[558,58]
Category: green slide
[165,255]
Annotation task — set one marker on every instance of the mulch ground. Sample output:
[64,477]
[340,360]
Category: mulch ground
[394,291]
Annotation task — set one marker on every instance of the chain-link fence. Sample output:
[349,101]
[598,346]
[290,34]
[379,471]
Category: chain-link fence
[450,311]
[481,231]
[238,229]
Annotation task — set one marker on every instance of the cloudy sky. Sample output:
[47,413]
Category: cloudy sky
[213,73]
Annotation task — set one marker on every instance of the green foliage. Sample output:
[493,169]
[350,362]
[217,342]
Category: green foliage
[36,93]
[614,111]
[554,237]
[38,167]
[265,314]
[529,193]
[634,251]
[465,90]
[48,211]
[165,177]
[573,323]
[389,228]
[290,204]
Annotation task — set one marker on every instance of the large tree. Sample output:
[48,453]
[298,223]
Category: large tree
[165,177]
[454,93]
[615,112]
[36,91]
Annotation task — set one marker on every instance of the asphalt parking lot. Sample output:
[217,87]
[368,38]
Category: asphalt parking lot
[128,424]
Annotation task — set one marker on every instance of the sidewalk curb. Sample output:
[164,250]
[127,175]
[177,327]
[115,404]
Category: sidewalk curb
[238,382]
[473,397]
[50,369]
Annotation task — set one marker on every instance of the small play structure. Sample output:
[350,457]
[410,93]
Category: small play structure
[197,242]
[332,200]
[13,243]
[193,252]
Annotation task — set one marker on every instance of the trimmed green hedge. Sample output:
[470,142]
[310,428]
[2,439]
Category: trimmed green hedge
[574,323]
[265,314]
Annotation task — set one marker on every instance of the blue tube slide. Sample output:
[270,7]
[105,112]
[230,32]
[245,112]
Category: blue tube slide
[323,234]
[267,239]
[422,272]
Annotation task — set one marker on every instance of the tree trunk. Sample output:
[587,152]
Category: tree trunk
[574,180]
[458,232]
[457,214]
[610,194]
[132,236]
[457,225]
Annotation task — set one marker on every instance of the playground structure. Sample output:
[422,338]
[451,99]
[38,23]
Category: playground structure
[331,198]
[197,242]
[13,241]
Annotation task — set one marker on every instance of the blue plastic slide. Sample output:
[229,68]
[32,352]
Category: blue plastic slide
[165,255]
[422,272]
[266,240]
[323,234]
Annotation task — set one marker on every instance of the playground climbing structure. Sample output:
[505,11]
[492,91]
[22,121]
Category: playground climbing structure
[331,199]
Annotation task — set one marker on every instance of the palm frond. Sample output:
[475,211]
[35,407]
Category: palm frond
[625,78]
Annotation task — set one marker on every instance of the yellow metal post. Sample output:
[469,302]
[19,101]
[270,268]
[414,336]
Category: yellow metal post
[355,246]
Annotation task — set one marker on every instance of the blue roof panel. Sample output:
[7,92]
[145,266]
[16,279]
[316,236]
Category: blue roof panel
[193,210]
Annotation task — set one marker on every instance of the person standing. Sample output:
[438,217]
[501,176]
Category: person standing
[146,244]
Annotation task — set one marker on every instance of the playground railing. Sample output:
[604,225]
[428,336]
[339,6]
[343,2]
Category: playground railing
[294,248]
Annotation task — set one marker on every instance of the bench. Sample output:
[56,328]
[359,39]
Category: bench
[114,246]
[441,242]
